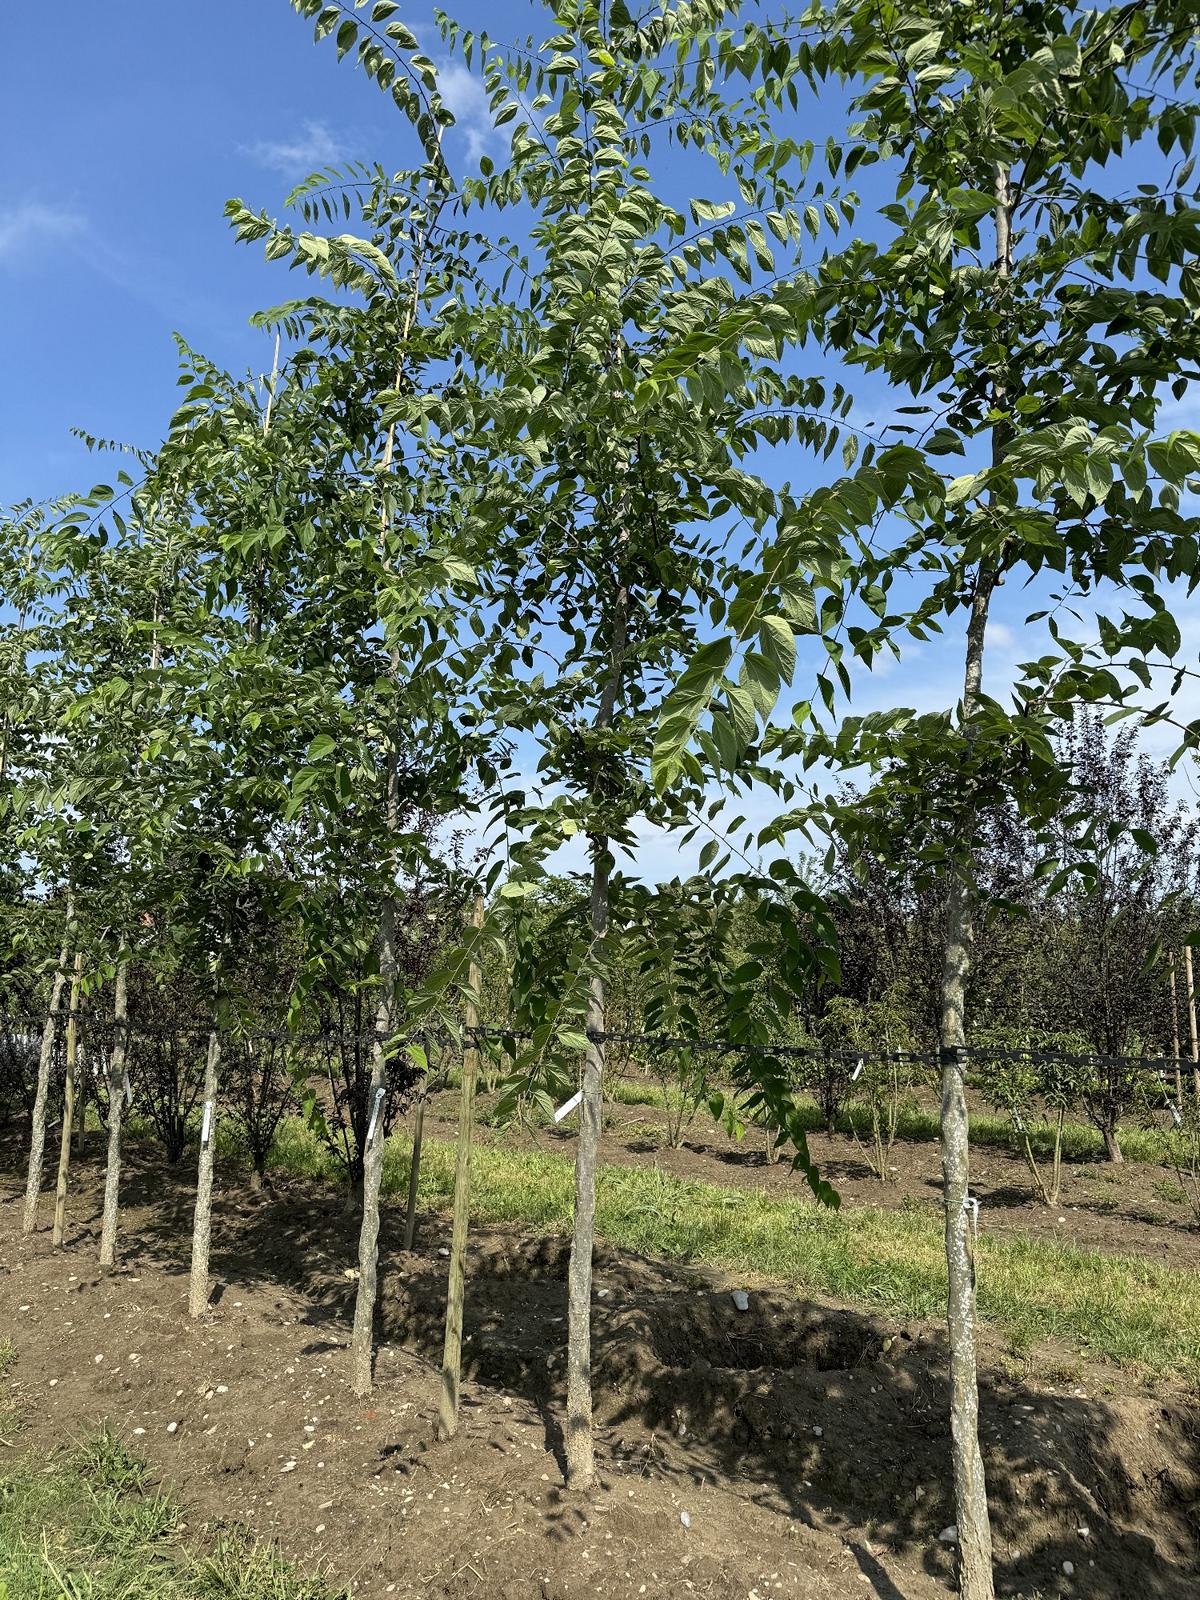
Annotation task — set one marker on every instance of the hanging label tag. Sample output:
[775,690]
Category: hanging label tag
[206,1125]
[856,1074]
[568,1106]
[375,1109]
[128,1091]
[1176,1118]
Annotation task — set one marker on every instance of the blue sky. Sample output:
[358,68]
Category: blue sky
[126,128]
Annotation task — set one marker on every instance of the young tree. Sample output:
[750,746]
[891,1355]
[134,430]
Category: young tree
[1040,350]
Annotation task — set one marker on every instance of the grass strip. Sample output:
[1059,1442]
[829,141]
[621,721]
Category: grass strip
[88,1525]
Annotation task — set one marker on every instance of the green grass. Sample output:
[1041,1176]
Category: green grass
[1080,1142]
[1108,1307]
[88,1525]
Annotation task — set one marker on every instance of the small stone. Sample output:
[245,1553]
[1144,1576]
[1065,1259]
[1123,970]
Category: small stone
[818,1433]
[741,1299]
[442,1251]
[1084,1531]
[320,1528]
[1069,1568]
[685,1519]
[98,1359]
[139,1431]
[949,1535]
[172,1427]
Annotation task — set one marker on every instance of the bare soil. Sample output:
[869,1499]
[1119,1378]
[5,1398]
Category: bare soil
[795,1449]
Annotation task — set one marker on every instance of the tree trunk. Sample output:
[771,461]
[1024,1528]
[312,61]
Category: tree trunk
[970,1484]
[1112,1147]
[64,1149]
[202,1226]
[452,1352]
[362,1339]
[1056,1182]
[580,1447]
[116,1110]
[37,1142]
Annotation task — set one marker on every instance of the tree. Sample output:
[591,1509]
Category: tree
[617,486]
[1132,892]
[1042,356]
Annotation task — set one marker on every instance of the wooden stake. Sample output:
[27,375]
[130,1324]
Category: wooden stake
[116,1108]
[202,1225]
[37,1142]
[1175,1036]
[1191,989]
[452,1352]
[64,1149]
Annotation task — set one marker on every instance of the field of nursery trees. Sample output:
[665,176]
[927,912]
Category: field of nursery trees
[599,854]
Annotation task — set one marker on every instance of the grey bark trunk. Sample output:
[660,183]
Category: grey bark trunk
[580,1445]
[455,1291]
[37,1142]
[970,1485]
[68,1116]
[362,1339]
[116,1111]
[202,1223]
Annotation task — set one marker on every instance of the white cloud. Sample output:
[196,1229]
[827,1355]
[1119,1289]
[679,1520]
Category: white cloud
[315,147]
[464,97]
[25,226]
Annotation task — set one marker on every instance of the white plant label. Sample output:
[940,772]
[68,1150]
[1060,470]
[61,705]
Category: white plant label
[855,1075]
[379,1094]
[206,1125]
[128,1091]
[568,1106]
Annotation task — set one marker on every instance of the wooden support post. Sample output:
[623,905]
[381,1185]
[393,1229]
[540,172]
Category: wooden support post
[1191,989]
[1175,1035]
[452,1352]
